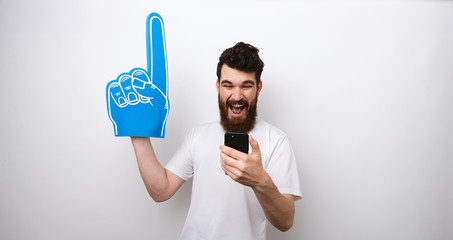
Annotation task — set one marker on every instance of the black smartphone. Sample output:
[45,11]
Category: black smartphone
[238,141]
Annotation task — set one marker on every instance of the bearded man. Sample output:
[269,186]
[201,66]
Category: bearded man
[234,194]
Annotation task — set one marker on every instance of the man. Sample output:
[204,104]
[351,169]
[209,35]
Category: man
[233,193]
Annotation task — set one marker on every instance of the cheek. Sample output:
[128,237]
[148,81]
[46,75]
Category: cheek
[223,95]
[221,98]
[251,96]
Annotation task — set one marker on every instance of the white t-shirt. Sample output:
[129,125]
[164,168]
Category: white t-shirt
[220,207]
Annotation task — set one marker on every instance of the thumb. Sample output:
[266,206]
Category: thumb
[255,146]
[141,83]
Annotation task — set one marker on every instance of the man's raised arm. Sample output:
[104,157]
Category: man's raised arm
[160,183]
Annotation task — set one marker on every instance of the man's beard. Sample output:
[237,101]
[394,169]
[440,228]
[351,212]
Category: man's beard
[235,124]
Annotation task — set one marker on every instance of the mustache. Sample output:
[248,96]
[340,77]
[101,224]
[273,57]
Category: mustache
[243,102]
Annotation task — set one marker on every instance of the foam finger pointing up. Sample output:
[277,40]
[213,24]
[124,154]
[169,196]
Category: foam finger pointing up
[157,52]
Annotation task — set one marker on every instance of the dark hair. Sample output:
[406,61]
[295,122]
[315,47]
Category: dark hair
[243,57]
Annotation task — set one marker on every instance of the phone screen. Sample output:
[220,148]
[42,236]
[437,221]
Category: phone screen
[238,141]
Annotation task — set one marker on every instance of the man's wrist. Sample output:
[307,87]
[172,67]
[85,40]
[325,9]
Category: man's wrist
[140,141]
[264,184]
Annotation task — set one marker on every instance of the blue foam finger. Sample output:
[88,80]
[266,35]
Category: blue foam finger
[137,101]
[157,52]
[129,93]
[139,79]
[117,94]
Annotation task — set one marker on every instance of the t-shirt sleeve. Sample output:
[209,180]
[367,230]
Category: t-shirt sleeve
[181,163]
[282,168]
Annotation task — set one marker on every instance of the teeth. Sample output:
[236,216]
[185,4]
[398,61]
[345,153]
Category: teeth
[237,105]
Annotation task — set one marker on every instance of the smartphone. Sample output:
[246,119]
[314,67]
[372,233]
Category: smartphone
[238,141]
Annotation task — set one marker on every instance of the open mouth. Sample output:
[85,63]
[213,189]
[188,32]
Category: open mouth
[237,108]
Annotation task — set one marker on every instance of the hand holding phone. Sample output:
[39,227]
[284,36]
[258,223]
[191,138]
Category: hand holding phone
[238,141]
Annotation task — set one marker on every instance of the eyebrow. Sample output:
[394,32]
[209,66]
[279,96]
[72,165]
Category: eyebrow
[243,83]
[248,82]
[225,81]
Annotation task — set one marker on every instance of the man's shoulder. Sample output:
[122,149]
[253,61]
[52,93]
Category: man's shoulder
[263,126]
[213,125]
[208,128]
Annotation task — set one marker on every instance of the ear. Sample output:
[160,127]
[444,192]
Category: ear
[258,88]
[217,85]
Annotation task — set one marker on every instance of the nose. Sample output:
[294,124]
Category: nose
[236,94]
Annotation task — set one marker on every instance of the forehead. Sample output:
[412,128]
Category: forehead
[236,76]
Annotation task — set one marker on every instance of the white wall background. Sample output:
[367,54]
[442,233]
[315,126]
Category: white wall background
[364,89]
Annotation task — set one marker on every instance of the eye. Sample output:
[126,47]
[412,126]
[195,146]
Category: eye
[247,86]
[227,85]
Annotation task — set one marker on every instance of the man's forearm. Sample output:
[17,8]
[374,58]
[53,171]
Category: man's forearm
[159,184]
[278,208]
[247,169]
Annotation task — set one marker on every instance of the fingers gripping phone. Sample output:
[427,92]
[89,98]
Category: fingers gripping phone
[238,141]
